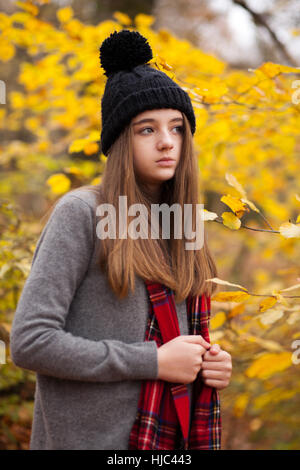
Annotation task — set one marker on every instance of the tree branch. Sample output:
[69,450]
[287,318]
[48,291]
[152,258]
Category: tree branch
[260,21]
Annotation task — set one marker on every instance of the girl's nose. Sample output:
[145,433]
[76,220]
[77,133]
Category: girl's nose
[165,140]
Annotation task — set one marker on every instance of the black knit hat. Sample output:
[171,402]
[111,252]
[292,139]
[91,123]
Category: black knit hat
[133,86]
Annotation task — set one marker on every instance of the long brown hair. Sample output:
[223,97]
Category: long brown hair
[162,260]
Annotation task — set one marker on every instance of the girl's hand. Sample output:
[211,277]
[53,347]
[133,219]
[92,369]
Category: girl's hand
[180,359]
[216,367]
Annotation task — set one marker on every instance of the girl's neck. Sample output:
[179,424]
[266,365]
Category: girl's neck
[153,194]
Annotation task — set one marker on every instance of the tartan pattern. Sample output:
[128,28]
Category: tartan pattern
[162,420]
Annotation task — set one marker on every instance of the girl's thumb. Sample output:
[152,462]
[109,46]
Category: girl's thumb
[215,348]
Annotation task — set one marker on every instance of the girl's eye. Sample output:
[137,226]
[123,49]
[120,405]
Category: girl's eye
[177,127]
[146,128]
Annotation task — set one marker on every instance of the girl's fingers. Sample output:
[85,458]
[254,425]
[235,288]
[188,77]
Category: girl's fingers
[213,374]
[197,339]
[214,350]
[212,365]
[219,356]
[219,384]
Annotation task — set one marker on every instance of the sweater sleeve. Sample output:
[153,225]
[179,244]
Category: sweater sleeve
[38,340]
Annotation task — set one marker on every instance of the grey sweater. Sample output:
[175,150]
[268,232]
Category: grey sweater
[86,346]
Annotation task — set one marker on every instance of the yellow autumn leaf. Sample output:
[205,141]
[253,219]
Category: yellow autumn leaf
[250,204]
[271,316]
[90,148]
[211,92]
[5,21]
[267,303]
[215,336]
[74,29]
[209,215]
[74,170]
[269,364]
[122,18]
[29,7]
[96,180]
[94,136]
[7,50]
[32,123]
[217,320]
[264,343]
[160,62]
[141,20]
[17,99]
[59,183]
[295,286]
[275,208]
[280,298]
[269,344]
[240,404]
[216,280]
[235,296]
[64,14]
[298,219]
[288,69]
[7,326]
[289,230]
[237,310]
[270,69]
[235,204]
[3,270]
[43,146]
[231,179]
[77,145]
[164,64]
[231,221]
[293,318]
[274,396]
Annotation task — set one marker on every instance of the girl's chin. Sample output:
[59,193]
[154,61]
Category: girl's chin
[164,171]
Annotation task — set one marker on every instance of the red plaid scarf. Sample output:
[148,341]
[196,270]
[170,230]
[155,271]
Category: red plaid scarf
[163,417]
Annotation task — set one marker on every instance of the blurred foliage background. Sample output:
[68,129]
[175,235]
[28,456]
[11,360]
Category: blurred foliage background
[238,60]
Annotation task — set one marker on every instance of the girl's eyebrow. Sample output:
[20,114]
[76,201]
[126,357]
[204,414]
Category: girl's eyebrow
[154,120]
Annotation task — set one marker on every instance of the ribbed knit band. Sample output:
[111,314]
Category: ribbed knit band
[135,103]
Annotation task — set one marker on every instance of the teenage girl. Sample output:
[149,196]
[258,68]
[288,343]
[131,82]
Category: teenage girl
[116,326]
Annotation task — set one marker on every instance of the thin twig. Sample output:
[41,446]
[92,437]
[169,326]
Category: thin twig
[272,295]
[251,228]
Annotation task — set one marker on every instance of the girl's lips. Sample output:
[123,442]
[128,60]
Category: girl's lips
[166,162]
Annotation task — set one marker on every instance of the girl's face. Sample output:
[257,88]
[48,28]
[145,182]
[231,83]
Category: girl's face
[157,134]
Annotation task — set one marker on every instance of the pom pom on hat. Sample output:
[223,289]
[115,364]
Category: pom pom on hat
[124,50]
